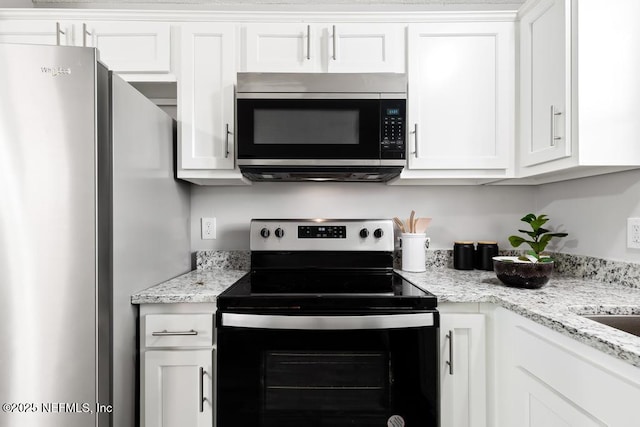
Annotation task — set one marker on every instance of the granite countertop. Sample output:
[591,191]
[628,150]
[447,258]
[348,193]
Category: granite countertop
[558,305]
[195,286]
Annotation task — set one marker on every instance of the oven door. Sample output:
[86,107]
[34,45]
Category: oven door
[363,370]
[308,128]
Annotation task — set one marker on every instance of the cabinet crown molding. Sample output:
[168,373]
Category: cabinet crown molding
[240,16]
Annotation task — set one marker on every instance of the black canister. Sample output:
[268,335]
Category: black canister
[463,255]
[484,255]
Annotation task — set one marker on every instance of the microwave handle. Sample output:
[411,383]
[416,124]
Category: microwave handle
[415,139]
[386,321]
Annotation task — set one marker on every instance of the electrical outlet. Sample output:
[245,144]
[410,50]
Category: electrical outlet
[633,233]
[208,228]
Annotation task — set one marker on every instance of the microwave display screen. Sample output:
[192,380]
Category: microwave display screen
[393,111]
[306,126]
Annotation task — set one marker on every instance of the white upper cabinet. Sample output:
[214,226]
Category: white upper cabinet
[130,47]
[207,76]
[281,48]
[46,32]
[579,93]
[544,74]
[127,47]
[461,100]
[366,47]
[300,47]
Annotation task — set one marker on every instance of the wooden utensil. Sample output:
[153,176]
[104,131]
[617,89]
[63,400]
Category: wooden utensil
[411,229]
[422,224]
[399,223]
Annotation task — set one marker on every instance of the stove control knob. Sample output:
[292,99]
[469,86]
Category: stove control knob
[265,232]
[364,233]
[378,233]
[279,232]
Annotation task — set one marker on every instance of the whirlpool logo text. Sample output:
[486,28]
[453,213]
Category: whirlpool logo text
[56,71]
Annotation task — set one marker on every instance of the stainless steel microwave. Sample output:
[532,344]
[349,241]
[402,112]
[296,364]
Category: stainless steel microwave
[321,126]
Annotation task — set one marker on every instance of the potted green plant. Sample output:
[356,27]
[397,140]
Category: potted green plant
[534,268]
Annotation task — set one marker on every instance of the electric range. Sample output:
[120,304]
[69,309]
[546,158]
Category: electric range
[323,332]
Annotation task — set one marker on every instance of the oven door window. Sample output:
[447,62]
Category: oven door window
[301,380]
[308,129]
[327,378]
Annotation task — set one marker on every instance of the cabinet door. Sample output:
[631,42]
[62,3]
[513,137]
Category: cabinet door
[366,48]
[178,388]
[545,378]
[461,78]
[538,405]
[278,47]
[463,370]
[206,97]
[130,47]
[545,67]
[36,32]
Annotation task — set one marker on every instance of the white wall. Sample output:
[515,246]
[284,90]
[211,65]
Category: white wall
[458,212]
[594,212]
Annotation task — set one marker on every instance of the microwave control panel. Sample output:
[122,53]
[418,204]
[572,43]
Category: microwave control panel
[392,128]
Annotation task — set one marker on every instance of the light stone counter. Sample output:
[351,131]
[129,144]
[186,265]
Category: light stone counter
[195,286]
[557,305]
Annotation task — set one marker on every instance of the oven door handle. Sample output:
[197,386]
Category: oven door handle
[383,321]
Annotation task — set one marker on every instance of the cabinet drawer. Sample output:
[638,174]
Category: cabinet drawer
[178,330]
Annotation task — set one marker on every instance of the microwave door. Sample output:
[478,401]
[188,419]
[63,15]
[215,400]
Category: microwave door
[308,129]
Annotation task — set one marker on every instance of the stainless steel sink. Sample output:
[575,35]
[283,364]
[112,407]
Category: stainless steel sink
[629,323]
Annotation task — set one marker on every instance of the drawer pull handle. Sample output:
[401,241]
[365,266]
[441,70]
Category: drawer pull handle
[166,333]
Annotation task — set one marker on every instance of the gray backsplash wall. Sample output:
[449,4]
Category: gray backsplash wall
[593,210]
[458,212]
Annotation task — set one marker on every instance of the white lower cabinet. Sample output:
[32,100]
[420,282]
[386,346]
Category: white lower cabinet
[462,368]
[177,356]
[178,388]
[545,379]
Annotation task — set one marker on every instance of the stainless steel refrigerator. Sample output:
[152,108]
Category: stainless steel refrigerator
[90,213]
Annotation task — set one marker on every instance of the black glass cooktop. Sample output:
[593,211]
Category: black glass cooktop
[324,290]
